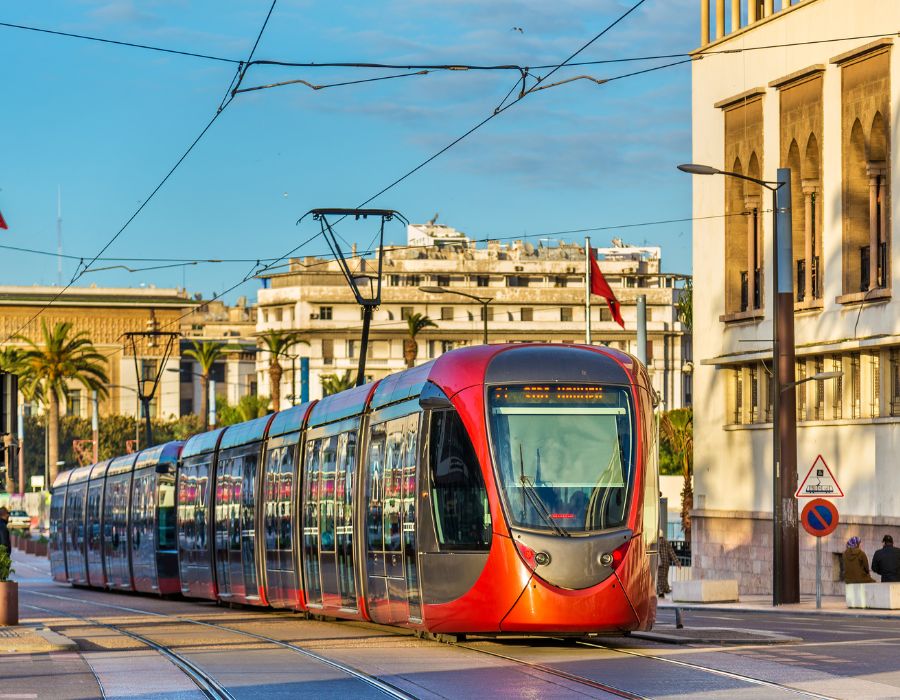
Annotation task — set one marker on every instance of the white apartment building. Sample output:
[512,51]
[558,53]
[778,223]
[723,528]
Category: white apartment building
[536,294]
[771,94]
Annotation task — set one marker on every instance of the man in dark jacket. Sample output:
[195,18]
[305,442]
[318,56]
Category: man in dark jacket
[887,561]
[4,531]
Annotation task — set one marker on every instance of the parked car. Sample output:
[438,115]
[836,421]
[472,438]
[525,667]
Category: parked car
[19,520]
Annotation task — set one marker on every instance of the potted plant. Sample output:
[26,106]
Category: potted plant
[9,591]
[40,547]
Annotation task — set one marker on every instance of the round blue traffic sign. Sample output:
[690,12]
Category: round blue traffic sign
[819,517]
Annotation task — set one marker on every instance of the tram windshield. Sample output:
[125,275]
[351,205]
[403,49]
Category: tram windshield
[564,454]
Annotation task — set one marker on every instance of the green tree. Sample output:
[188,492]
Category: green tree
[63,357]
[332,383]
[415,323]
[247,408]
[204,354]
[684,307]
[277,343]
[677,428]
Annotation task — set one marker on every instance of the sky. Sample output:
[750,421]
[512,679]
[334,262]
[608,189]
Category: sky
[103,124]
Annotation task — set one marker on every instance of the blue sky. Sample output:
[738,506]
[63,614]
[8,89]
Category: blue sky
[105,123]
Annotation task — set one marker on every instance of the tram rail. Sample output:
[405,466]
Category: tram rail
[377,683]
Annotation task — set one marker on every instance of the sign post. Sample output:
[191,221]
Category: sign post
[819,518]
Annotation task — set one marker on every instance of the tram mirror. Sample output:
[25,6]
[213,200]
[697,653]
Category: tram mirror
[434,402]
[433,398]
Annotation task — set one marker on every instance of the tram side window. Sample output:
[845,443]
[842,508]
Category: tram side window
[166,524]
[459,498]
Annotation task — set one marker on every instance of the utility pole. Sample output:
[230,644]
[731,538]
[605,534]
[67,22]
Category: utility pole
[59,236]
[642,328]
[95,425]
[587,290]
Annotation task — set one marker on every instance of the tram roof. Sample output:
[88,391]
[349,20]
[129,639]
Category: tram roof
[80,474]
[98,471]
[167,453]
[245,433]
[401,386]
[557,363]
[62,479]
[290,419]
[121,465]
[204,442]
[342,405]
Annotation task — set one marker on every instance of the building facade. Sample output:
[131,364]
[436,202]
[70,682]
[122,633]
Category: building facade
[234,373]
[528,293]
[772,94]
[105,314]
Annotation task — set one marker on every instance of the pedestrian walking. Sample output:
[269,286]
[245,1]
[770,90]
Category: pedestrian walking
[886,561]
[667,557]
[856,563]
[4,531]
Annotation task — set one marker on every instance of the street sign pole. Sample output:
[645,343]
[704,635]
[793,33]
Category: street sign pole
[818,573]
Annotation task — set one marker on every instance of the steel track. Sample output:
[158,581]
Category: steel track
[204,682]
[714,671]
[385,687]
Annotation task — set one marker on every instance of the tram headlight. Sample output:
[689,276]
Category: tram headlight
[542,558]
[614,558]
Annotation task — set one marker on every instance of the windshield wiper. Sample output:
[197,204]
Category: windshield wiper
[536,501]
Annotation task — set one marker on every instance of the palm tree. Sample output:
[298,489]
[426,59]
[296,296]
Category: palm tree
[277,344]
[332,383]
[48,369]
[677,428]
[205,354]
[416,323]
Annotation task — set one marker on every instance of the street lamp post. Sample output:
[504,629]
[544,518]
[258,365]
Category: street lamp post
[484,301]
[137,415]
[786,536]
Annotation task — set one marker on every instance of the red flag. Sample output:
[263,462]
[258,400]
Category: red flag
[3,222]
[601,288]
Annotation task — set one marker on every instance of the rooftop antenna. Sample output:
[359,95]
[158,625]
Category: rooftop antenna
[59,235]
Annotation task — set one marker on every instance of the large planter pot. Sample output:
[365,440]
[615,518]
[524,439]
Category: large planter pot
[29,546]
[20,543]
[9,603]
[40,549]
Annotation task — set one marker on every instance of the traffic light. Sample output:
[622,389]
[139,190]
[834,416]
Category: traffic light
[9,403]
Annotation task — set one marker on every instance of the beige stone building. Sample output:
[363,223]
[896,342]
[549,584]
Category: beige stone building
[788,87]
[535,293]
[235,373]
[105,314]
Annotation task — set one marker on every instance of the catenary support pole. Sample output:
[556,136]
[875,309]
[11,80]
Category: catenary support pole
[212,404]
[364,346]
[787,535]
[21,455]
[642,328]
[95,425]
[587,290]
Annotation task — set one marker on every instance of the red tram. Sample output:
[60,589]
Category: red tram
[496,489]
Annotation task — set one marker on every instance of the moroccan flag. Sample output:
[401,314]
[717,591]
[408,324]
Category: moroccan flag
[3,222]
[601,288]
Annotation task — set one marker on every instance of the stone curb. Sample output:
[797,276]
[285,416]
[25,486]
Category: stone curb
[782,610]
[716,635]
[57,641]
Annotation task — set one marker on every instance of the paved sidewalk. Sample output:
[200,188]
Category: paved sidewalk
[831,605]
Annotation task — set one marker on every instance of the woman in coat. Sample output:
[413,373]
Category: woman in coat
[856,564]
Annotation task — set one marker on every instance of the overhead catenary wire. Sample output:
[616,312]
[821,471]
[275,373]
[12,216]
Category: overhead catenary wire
[229,96]
[273,262]
[459,66]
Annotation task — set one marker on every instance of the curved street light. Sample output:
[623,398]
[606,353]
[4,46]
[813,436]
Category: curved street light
[786,538]
[484,301]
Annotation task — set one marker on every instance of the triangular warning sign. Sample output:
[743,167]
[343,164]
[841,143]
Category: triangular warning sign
[819,482]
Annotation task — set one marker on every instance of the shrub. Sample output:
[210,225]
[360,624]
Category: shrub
[5,564]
